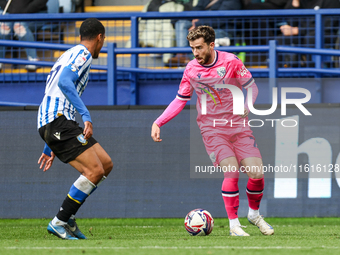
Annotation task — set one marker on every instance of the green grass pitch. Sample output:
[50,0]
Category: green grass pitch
[168,236]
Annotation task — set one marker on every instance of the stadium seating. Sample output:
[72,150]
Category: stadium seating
[251,28]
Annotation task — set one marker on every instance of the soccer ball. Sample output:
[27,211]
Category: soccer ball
[199,222]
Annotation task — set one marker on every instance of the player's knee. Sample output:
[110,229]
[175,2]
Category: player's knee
[19,30]
[95,173]
[109,166]
[99,173]
[256,175]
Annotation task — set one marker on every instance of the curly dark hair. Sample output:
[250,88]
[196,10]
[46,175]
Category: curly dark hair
[90,28]
[206,32]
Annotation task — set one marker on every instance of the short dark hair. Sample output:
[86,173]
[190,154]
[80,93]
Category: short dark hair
[205,32]
[90,28]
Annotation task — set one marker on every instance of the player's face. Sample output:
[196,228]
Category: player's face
[100,43]
[202,51]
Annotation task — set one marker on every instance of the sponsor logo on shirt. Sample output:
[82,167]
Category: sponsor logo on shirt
[78,62]
[208,92]
[242,71]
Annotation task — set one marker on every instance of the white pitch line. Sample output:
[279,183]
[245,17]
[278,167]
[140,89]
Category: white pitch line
[174,248]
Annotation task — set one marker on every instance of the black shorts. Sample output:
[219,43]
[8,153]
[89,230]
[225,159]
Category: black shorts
[65,138]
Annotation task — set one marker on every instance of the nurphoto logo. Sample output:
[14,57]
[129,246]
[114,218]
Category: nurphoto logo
[238,105]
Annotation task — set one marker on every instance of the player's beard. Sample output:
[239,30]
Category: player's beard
[206,58]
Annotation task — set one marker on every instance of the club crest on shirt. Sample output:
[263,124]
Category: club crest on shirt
[82,139]
[221,71]
[199,75]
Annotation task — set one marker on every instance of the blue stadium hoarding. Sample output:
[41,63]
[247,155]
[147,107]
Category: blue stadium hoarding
[154,179]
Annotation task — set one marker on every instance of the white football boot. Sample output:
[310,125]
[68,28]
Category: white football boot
[264,227]
[238,231]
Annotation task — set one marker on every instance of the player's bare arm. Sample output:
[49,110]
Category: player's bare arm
[156,133]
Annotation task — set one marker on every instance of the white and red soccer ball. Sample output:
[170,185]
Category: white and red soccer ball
[199,222]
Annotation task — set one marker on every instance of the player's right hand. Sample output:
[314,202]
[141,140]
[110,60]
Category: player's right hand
[156,133]
[88,130]
[245,113]
[46,160]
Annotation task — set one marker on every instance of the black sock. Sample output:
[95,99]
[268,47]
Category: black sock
[68,208]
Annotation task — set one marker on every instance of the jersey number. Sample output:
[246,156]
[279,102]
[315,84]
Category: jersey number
[52,75]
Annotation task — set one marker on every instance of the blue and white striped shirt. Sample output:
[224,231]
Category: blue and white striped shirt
[77,59]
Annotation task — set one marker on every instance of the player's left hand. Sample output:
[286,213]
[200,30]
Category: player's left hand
[46,160]
[88,130]
[156,133]
[245,113]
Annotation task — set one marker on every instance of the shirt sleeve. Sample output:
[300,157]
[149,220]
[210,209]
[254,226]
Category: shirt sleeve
[66,85]
[80,62]
[185,89]
[173,109]
[253,95]
[47,150]
[242,75]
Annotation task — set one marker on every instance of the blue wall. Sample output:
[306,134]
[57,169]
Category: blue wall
[325,90]
[158,179]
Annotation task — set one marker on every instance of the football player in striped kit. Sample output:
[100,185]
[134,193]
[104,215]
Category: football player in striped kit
[62,135]
[229,147]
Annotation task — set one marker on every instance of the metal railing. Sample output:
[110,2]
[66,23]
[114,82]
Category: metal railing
[253,27]
[134,70]
[112,68]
